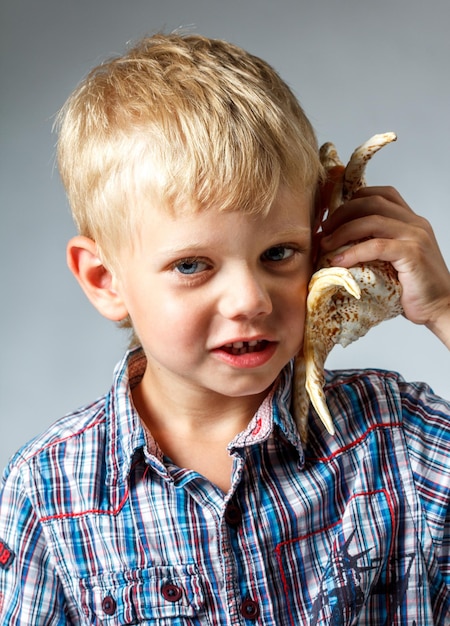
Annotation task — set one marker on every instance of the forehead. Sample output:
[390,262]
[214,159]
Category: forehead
[289,215]
[284,205]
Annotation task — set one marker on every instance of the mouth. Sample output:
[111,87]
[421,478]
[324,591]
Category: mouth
[245,347]
[250,354]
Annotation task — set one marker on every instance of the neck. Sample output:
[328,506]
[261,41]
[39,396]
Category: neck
[192,411]
[193,430]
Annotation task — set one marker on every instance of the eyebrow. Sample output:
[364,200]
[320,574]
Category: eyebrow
[278,236]
[288,232]
[293,232]
[185,249]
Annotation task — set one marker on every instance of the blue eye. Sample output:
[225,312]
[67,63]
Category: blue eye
[190,266]
[278,253]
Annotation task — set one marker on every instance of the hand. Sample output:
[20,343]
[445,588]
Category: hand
[384,227]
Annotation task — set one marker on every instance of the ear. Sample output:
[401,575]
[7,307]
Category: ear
[97,282]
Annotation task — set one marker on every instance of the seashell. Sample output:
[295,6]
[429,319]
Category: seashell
[342,304]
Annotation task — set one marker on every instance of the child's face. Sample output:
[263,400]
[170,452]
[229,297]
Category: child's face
[218,299]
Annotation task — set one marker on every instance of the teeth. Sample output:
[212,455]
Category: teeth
[242,347]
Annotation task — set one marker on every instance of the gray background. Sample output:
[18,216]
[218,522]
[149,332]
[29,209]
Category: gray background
[358,67]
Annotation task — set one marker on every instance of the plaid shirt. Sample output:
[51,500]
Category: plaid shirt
[97,527]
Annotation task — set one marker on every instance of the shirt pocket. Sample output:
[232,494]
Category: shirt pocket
[157,595]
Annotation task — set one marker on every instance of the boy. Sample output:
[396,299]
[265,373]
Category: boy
[185,495]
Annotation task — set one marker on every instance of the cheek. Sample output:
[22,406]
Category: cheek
[181,322]
[294,308]
[296,295]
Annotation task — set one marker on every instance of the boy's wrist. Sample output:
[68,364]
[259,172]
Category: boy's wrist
[440,326]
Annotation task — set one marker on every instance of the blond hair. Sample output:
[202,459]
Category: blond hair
[185,123]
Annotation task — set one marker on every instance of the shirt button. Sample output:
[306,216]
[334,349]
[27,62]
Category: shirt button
[233,515]
[171,592]
[109,605]
[250,609]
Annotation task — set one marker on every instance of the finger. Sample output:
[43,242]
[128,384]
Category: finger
[370,227]
[387,203]
[389,193]
[400,254]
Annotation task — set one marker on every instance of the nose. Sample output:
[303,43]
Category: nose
[245,295]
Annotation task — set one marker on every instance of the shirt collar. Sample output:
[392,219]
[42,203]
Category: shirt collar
[274,413]
[126,433]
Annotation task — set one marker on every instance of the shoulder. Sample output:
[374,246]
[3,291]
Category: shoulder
[383,395]
[39,468]
[93,447]
[397,417]
[35,475]
[70,430]
[362,400]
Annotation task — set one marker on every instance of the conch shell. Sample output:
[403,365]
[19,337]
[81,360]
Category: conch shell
[342,304]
